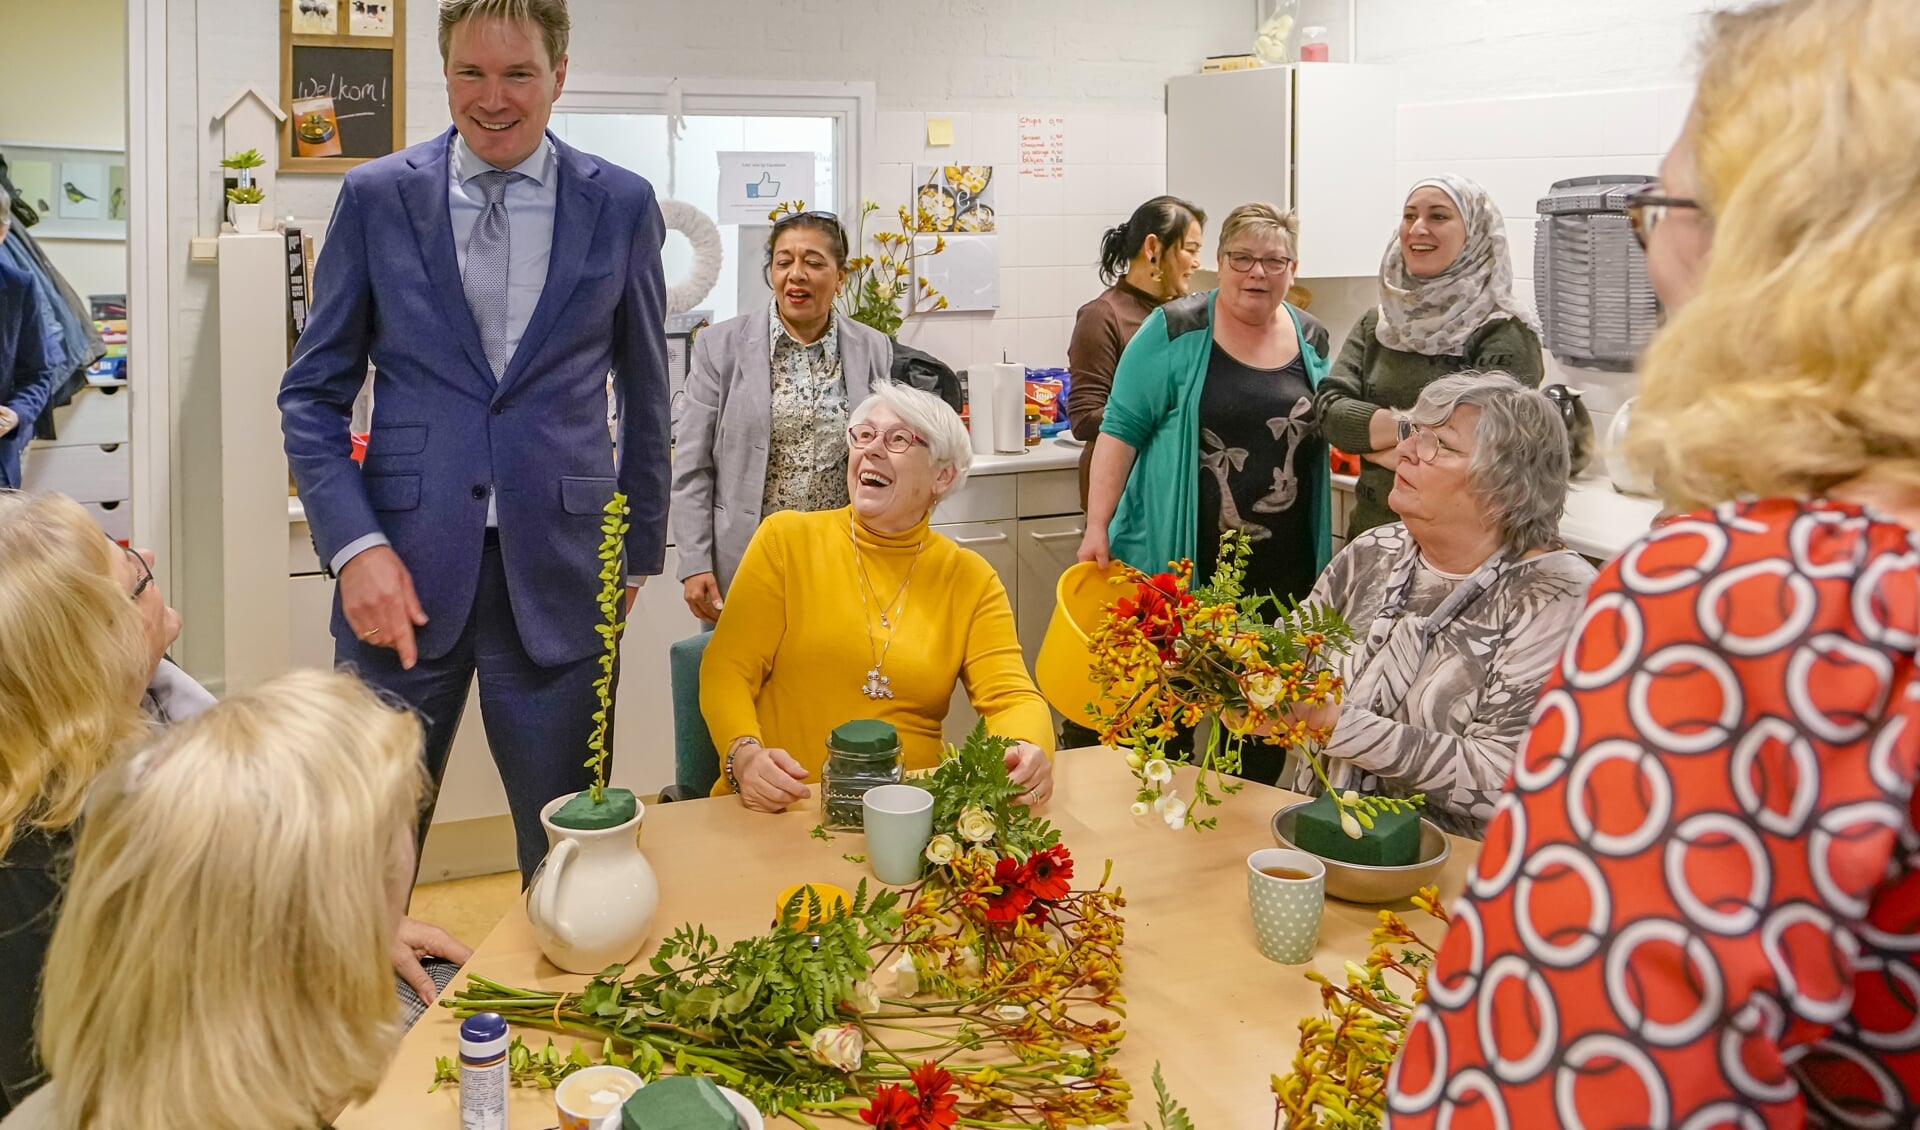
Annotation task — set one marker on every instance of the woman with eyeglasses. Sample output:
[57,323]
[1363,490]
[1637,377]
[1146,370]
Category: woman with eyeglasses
[83,677]
[1460,610]
[1446,305]
[1700,905]
[762,426]
[863,612]
[1211,426]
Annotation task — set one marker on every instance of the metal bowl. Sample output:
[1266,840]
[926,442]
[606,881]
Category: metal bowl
[1361,883]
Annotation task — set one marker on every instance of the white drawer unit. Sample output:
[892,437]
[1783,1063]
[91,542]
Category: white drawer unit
[89,473]
[96,417]
[114,517]
[995,542]
[301,560]
[1046,548]
[1043,494]
[982,498]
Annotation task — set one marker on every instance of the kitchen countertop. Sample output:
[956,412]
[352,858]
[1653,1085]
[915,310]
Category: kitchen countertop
[1599,522]
[1052,454]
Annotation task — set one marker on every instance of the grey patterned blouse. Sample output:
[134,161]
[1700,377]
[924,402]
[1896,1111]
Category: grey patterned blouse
[1446,719]
[807,452]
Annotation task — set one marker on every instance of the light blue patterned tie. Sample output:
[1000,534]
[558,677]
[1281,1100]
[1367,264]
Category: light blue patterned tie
[486,276]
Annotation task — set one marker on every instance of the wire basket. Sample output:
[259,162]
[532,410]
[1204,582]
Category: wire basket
[1590,283]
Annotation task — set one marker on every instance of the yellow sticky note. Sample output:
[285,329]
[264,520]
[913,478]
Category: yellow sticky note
[939,131]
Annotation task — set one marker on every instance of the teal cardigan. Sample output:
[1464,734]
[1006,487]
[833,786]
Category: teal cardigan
[1155,409]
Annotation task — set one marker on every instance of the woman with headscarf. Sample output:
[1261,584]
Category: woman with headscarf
[1446,305]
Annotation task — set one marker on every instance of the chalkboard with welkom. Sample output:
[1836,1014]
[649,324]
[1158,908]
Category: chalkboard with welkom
[343,82]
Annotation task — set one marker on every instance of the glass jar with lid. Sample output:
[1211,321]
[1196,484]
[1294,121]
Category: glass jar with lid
[860,754]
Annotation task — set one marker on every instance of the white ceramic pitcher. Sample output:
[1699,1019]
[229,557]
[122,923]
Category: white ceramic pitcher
[592,899]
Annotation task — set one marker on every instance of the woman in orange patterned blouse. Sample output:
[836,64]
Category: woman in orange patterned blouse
[1699,903]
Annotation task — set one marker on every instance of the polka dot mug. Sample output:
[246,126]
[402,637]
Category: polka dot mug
[1286,891]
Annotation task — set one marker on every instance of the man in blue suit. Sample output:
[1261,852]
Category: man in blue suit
[493,276]
[29,366]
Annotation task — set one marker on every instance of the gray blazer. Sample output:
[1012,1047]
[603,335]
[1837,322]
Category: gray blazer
[720,440]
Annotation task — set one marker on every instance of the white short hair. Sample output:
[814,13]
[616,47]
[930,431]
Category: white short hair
[933,419]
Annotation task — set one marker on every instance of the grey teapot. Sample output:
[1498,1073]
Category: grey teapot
[1573,413]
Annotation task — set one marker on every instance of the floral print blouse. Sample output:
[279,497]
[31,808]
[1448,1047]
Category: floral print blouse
[807,452]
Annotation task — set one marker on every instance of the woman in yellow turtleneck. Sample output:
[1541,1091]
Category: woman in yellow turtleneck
[864,612]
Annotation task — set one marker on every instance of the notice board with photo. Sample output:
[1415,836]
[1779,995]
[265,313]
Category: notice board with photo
[343,82]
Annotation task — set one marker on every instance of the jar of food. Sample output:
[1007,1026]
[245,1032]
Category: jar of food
[860,755]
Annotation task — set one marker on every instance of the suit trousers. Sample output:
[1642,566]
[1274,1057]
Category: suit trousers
[538,719]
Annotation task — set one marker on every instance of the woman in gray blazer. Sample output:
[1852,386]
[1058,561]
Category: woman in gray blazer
[763,424]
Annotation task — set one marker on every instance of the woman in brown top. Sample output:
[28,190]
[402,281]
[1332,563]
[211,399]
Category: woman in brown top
[1144,262]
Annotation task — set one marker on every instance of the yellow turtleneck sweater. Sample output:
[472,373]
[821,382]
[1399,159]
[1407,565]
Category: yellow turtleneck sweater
[790,654]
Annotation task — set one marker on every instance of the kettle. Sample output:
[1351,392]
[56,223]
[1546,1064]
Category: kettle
[1573,413]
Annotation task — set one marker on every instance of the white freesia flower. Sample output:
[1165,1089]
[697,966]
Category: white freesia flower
[863,998]
[1141,808]
[840,1048]
[1350,796]
[1176,813]
[1158,771]
[1357,973]
[1134,760]
[976,824]
[1161,802]
[941,849]
[1263,691]
[1349,824]
[906,976]
[967,965]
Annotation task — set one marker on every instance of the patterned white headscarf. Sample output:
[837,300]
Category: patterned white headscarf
[1436,316]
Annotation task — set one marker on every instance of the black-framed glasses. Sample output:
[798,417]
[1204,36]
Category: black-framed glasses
[144,570]
[861,436]
[1647,206]
[1243,262]
[1427,444]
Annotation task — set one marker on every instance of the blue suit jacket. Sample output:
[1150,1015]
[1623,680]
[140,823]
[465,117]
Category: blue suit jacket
[388,289]
[28,367]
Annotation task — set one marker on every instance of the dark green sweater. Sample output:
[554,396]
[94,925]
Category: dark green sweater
[1368,376]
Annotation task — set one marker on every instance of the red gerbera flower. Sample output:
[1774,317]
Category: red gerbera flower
[1047,873]
[935,1084]
[892,1108]
[1014,897]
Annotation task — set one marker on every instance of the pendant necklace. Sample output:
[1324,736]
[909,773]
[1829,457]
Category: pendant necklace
[877,685]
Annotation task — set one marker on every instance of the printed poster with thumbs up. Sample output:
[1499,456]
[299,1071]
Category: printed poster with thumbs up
[753,184]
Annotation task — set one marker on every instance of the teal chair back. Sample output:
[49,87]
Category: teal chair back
[696,764]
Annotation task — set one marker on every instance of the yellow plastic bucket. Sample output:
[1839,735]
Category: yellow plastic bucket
[1080,600]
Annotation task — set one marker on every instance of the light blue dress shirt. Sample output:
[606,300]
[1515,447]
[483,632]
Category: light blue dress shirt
[530,207]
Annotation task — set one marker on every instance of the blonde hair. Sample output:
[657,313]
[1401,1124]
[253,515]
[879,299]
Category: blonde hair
[550,16]
[1261,219]
[74,661]
[1797,365]
[221,958]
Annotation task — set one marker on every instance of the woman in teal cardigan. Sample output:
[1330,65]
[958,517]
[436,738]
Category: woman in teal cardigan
[1213,423]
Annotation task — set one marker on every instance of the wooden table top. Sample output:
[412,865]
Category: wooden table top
[1218,1017]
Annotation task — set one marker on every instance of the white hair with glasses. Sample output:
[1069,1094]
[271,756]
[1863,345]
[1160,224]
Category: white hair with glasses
[932,419]
[1519,464]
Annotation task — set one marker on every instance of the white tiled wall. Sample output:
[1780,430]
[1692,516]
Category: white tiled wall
[1049,237]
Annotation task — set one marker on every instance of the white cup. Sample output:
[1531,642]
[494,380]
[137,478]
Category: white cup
[591,1098]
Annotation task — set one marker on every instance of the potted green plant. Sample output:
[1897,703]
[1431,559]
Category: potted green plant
[245,200]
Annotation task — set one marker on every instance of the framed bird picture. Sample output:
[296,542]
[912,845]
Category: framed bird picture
[79,191]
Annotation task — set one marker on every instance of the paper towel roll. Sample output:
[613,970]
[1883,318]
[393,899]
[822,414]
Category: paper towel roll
[980,408]
[1009,408]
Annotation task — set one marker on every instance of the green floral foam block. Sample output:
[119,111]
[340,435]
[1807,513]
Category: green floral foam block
[1393,841]
[616,807]
[678,1102]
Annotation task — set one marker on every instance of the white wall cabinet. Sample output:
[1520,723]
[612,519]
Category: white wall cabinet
[1317,137]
